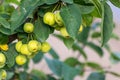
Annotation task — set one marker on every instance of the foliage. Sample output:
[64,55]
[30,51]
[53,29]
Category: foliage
[72,14]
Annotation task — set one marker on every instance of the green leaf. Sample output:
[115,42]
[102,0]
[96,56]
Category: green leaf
[11,55]
[26,65]
[41,75]
[97,4]
[38,57]
[41,31]
[58,36]
[81,69]
[68,72]
[107,47]
[13,1]
[50,77]
[83,36]
[115,57]
[18,17]
[34,77]
[22,36]
[21,13]
[68,1]
[82,2]
[93,65]
[53,53]
[107,17]
[5,15]
[71,16]
[77,47]
[87,2]
[115,3]
[9,9]
[95,13]
[86,9]
[4,23]
[68,42]
[55,66]
[115,36]
[96,35]
[96,76]
[96,48]
[61,69]
[51,30]
[23,76]
[9,75]
[87,19]
[49,1]
[3,39]
[5,30]
[79,1]
[71,61]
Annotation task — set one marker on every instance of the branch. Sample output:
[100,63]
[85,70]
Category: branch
[12,38]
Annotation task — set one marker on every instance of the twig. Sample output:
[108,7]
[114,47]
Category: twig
[91,69]
[79,55]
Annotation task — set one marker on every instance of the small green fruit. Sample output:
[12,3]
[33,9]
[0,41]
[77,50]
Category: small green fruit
[2,59]
[4,74]
[24,50]
[58,18]
[49,18]
[4,47]
[33,46]
[45,47]
[2,65]
[28,27]
[18,45]
[21,59]
[64,32]
[81,28]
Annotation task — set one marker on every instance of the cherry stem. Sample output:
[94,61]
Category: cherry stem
[55,7]
[32,37]
[28,37]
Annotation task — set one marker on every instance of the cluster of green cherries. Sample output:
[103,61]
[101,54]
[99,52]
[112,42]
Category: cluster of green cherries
[31,48]
[55,20]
